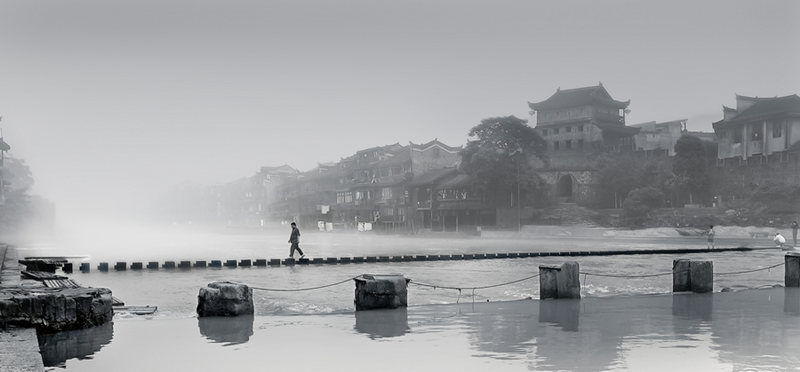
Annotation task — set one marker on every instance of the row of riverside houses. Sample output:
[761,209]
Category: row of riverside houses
[408,188]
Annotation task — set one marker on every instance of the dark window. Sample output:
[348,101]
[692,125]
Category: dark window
[755,135]
[567,144]
[580,128]
[555,145]
[569,129]
[737,136]
[777,129]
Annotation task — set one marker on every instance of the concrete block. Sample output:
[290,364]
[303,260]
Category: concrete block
[260,262]
[332,260]
[513,255]
[136,266]
[456,257]
[358,259]
[397,258]
[433,257]
[152,265]
[371,259]
[479,256]
[103,266]
[680,275]
[168,265]
[67,268]
[469,256]
[185,265]
[288,262]
[791,276]
[303,261]
[344,260]
[245,263]
[502,255]
[120,266]
[380,292]
[444,257]
[701,276]
[200,264]
[384,259]
[274,262]
[215,263]
[318,261]
[85,267]
[420,257]
[229,263]
[490,255]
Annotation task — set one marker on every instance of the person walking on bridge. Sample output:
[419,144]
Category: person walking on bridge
[294,238]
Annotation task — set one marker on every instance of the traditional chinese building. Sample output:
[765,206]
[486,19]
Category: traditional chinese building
[577,125]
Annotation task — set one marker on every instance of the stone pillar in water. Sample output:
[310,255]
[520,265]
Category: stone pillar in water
[381,292]
[225,299]
[560,282]
[792,270]
[695,276]
[701,276]
[680,275]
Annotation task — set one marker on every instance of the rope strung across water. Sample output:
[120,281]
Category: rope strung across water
[305,289]
[751,271]
[474,288]
[459,289]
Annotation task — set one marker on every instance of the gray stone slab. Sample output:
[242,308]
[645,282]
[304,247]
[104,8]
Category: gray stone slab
[19,350]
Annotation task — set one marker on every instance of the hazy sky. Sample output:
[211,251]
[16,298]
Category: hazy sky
[113,101]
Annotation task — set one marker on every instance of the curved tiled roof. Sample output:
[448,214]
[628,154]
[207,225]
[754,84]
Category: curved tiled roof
[578,97]
[764,108]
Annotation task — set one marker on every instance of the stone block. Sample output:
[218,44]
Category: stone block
[85,267]
[444,257]
[479,256]
[358,259]
[152,265]
[215,263]
[288,262]
[332,260]
[701,276]
[384,259]
[245,263]
[67,268]
[490,255]
[560,282]
[120,266]
[260,262]
[168,265]
[200,264]
[380,292]
[344,260]
[420,257]
[680,275]
[371,259]
[456,257]
[225,299]
[230,263]
[318,261]
[274,262]
[502,255]
[433,257]
[791,274]
[303,261]
[185,265]
[469,256]
[136,266]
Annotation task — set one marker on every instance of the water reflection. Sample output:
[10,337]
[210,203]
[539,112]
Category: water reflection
[382,323]
[695,306]
[563,313]
[226,330]
[791,303]
[59,347]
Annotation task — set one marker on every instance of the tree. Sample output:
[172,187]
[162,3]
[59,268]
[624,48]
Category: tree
[691,169]
[498,157]
[641,201]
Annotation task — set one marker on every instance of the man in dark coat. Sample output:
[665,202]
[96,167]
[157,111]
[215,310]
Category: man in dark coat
[295,240]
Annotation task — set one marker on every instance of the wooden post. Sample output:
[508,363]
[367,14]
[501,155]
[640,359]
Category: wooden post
[792,270]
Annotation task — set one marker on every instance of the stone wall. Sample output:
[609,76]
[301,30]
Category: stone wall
[55,309]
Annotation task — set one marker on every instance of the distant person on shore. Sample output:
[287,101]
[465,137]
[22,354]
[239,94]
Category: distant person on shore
[795,227]
[779,240]
[710,239]
[294,238]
